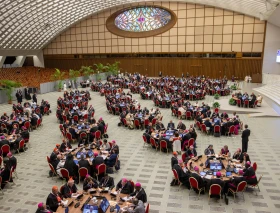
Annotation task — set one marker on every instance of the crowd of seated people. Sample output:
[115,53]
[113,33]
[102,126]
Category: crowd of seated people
[171,137]
[246,99]
[118,102]
[206,120]
[134,191]
[139,119]
[15,127]
[74,102]
[90,156]
[240,169]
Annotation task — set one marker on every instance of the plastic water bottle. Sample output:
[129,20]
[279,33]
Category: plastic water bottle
[66,209]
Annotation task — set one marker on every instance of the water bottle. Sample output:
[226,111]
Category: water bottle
[66,209]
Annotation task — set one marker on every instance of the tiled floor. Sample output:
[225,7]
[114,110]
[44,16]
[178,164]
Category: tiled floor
[150,168]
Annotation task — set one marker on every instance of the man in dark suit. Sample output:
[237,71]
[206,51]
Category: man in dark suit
[12,162]
[124,186]
[54,199]
[34,97]
[181,125]
[84,163]
[106,181]
[139,193]
[245,138]
[97,161]
[53,158]
[174,159]
[69,188]
[183,176]
[170,125]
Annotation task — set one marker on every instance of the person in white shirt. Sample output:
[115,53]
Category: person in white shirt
[259,99]
[182,110]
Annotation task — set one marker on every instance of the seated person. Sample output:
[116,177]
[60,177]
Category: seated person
[181,126]
[105,145]
[84,163]
[54,199]
[97,161]
[65,145]
[106,181]
[246,157]
[5,174]
[209,150]
[72,167]
[139,193]
[182,175]
[137,207]
[89,183]
[224,151]
[124,186]
[238,155]
[191,152]
[249,174]
[197,176]
[42,208]
[69,188]
[111,160]
[234,181]
[217,180]
[170,125]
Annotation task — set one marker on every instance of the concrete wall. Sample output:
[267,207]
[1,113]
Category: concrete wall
[272,44]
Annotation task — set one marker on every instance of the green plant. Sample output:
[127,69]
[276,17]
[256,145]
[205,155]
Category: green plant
[74,74]
[216,96]
[87,71]
[58,76]
[233,87]
[232,101]
[114,68]
[216,105]
[9,86]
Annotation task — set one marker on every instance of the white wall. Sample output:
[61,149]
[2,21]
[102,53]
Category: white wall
[272,44]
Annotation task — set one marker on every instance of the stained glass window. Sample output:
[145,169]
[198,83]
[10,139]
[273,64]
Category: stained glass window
[142,19]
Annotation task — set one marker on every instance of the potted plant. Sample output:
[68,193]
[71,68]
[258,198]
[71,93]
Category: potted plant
[73,75]
[216,96]
[58,76]
[9,86]
[114,68]
[216,105]
[233,87]
[99,69]
[87,71]
[232,101]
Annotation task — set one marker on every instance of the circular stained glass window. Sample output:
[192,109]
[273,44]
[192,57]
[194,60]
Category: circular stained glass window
[141,21]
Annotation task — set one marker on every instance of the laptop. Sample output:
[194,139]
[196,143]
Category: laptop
[216,166]
[228,174]
[90,209]
[118,208]
[202,174]
[78,155]
[104,205]
[90,153]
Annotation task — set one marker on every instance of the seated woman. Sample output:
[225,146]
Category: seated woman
[246,157]
[225,152]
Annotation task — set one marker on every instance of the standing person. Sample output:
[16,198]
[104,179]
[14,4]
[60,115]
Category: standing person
[64,87]
[19,96]
[69,85]
[34,97]
[245,138]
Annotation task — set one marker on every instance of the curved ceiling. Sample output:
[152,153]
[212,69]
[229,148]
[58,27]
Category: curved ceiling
[31,24]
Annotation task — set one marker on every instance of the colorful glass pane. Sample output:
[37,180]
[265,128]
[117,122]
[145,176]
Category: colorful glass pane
[142,19]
